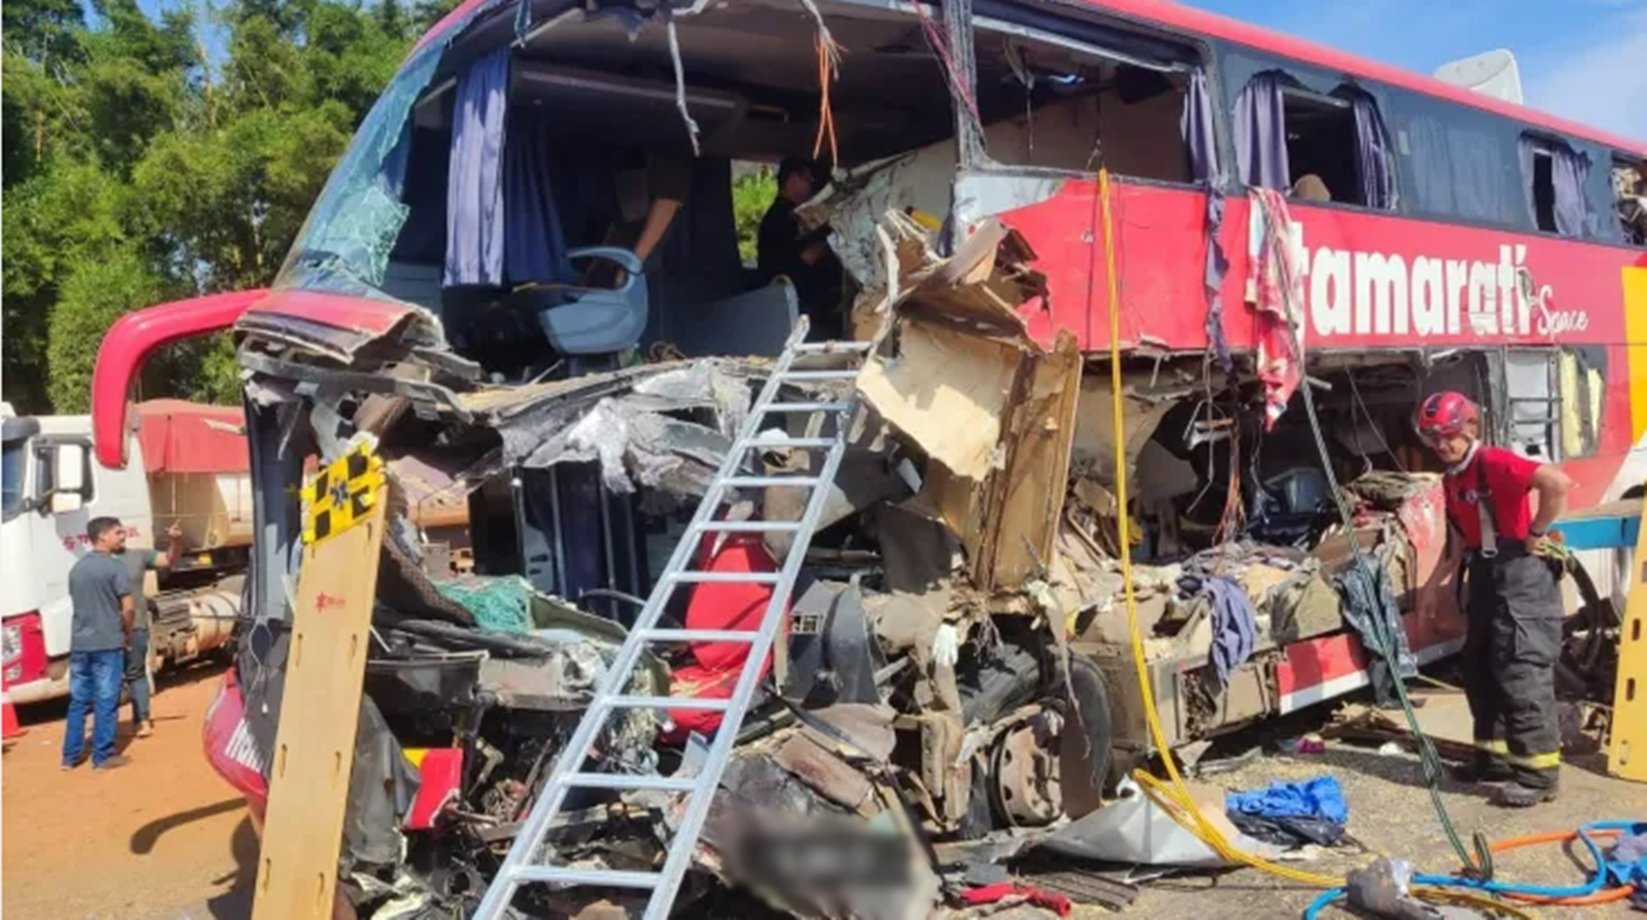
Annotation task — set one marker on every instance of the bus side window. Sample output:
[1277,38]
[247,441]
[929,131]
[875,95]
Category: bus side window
[1553,400]
[1582,388]
[1554,176]
[1630,199]
[1533,403]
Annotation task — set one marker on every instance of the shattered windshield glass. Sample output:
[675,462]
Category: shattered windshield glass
[345,241]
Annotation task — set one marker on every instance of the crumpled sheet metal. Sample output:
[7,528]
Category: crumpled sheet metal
[1136,831]
[635,442]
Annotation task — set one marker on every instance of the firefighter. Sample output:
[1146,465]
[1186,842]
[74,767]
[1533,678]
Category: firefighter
[1514,609]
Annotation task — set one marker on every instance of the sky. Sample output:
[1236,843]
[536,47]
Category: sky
[1581,59]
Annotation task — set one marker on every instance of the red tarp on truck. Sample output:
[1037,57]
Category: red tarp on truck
[185,437]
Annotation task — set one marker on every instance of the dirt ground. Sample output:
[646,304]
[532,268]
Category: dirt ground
[1391,813]
[163,838]
[166,839]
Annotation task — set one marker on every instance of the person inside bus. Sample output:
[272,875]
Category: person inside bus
[1514,612]
[782,249]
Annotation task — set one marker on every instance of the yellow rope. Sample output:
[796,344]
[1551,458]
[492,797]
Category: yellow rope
[1174,796]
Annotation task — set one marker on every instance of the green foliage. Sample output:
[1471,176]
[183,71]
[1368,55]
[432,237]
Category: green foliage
[93,295]
[752,194]
[136,170]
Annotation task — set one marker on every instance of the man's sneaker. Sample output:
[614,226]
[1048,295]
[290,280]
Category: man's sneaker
[145,728]
[1515,795]
[118,760]
[1478,771]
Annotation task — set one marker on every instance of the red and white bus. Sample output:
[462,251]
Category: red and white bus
[1446,238]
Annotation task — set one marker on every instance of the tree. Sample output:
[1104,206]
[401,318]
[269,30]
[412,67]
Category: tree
[135,170]
[95,294]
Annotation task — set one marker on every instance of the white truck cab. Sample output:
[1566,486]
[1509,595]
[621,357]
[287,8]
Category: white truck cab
[52,487]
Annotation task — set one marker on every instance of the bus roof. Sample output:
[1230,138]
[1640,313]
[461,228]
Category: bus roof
[1193,21]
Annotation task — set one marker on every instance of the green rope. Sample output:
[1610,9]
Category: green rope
[502,603]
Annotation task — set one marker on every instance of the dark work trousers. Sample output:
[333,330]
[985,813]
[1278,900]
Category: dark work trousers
[1510,650]
[137,674]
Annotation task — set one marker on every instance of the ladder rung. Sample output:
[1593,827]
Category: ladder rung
[764,443]
[824,348]
[571,876]
[669,702]
[846,374]
[724,578]
[698,635]
[806,407]
[628,781]
[749,526]
[759,482]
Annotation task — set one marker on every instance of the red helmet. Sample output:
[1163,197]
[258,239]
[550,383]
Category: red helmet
[1445,415]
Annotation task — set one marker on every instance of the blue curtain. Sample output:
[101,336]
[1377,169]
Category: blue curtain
[1197,126]
[474,190]
[1372,150]
[1261,133]
[1569,173]
[534,243]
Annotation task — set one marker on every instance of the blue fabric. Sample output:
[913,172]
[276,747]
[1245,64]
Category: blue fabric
[1627,862]
[534,244]
[1234,622]
[94,684]
[137,674]
[1261,132]
[1374,163]
[1321,798]
[474,190]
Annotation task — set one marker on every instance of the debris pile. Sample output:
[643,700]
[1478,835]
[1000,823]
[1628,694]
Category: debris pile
[954,684]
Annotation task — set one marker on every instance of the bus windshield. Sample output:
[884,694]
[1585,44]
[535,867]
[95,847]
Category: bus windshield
[344,244]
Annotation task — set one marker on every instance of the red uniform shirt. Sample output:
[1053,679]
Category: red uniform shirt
[1509,479]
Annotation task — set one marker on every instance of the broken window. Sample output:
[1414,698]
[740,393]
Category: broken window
[1053,106]
[1319,146]
[1553,402]
[1554,176]
[1629,181]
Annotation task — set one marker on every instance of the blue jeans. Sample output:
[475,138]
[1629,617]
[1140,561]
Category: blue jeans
[137,674]
[94,682]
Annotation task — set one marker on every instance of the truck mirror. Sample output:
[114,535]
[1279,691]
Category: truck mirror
[68,478]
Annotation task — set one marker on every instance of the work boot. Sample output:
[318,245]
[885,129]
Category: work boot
[1480,771]
[145,728]
[1516,795]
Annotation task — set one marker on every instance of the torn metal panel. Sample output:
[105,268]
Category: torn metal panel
[1021,536]
[1094,447]
[947,391]
[334,325]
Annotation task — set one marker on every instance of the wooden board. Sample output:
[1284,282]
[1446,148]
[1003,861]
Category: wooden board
[315,742]
[1627,735]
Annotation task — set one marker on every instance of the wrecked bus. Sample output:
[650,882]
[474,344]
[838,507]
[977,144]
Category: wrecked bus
[524,275]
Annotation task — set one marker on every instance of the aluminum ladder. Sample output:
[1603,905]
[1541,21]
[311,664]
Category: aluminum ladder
[524,865]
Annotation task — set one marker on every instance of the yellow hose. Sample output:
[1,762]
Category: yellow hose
[1174,796]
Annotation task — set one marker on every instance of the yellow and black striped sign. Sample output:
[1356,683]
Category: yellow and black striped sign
[341,494]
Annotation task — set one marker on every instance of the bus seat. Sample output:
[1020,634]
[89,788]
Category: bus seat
[582,321]
[756,322]
[414,283]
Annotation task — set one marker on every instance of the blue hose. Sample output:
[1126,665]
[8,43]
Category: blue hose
[1597,880]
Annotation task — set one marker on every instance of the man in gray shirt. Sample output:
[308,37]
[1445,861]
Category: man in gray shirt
[101,593]
[139,562]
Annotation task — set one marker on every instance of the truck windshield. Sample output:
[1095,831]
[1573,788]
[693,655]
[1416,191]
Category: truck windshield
[345,241]
[11,475]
